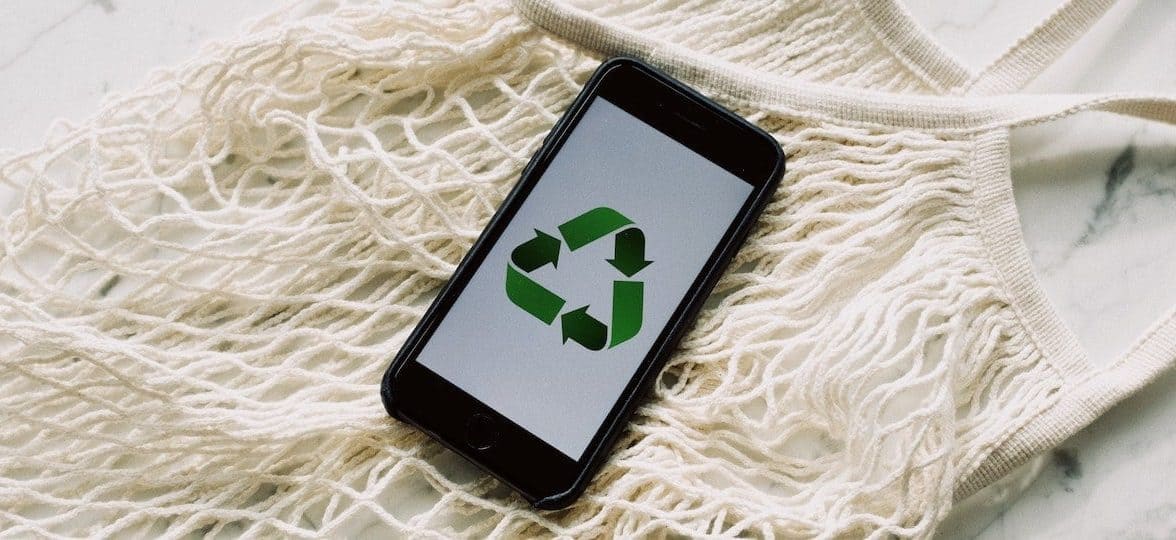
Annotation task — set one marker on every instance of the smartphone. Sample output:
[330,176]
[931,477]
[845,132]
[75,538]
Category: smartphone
[532,356]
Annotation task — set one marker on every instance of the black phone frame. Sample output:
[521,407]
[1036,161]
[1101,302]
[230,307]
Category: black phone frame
[544,476]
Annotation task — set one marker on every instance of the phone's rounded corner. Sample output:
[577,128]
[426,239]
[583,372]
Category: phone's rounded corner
[620,61]
[563,499]
[781,159]
[768,167]
[598,454]
[387,395]
[624,62]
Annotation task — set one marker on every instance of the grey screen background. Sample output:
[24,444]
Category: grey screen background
[516,364]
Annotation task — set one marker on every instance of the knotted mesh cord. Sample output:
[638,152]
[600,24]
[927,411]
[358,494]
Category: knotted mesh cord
[814,40]
[203,284]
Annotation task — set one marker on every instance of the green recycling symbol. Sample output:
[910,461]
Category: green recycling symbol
[545,305]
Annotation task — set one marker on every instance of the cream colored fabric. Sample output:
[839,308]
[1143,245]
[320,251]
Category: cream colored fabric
[203,284]
[1030,55]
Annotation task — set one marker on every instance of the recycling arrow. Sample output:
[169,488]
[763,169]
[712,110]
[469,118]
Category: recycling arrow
[584,329]
[591,226]
[577,325]
[629,255]
[536,252]
[627,298]
[531,296]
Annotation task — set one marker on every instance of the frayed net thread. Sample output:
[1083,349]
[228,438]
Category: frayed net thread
[203,284]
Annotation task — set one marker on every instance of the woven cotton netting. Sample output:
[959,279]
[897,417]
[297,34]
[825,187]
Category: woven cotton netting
[202,285]
[814,40]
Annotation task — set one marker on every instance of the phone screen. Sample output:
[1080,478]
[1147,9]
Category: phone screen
[569,300]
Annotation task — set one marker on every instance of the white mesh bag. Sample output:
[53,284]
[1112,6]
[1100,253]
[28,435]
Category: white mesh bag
[201,285]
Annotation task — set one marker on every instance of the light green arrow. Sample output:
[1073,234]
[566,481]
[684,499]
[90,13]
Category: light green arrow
[627,300]
[591,225]
[531,296]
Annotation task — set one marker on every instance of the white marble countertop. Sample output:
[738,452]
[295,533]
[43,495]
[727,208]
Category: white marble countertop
[1097,198]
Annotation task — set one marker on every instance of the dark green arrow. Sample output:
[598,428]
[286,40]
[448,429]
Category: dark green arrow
[627,300]
[629,254]
[583,329]
[591,225]
[537,252]
[531,296]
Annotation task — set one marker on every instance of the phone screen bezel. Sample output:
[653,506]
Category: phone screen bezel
[542,474]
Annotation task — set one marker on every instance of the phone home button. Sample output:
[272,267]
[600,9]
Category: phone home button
[481,432]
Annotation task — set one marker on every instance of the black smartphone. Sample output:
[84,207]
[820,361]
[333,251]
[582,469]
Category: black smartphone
[531,358]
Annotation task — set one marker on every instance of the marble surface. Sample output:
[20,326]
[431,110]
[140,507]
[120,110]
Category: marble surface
[1097,198]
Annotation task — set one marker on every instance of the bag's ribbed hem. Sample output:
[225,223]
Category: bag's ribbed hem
[1000,229]
[893,26]
[1087,392]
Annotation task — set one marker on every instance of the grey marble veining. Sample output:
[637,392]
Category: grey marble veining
[1101,224]
[60,58]
[40,33]
[1096,196]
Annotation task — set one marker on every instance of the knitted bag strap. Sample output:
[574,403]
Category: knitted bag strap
[823,102]
[1029,109]
[1026,58]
